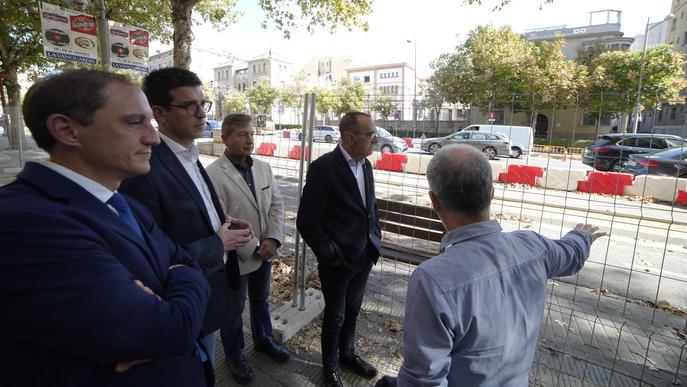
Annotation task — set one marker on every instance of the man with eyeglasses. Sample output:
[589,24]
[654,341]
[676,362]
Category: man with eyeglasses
[181,197]
[337,217]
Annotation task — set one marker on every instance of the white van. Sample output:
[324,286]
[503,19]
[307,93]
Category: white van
[522,137]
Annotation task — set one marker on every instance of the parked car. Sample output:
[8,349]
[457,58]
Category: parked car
[671,162]
[491,144]
[610,151]
[209,126]
[388,143]
[522,137]
[326,133]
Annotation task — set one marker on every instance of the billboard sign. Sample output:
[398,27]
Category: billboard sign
[68,35]
[128,47]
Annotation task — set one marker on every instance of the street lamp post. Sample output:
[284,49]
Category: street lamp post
[414,87]
[638,103]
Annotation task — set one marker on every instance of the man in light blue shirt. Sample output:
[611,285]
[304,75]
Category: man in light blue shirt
[473,312]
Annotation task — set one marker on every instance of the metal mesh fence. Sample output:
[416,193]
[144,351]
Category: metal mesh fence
[620,321]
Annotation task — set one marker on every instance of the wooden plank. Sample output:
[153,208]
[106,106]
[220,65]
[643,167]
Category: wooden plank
[407,209]
[409,220]
[412,231]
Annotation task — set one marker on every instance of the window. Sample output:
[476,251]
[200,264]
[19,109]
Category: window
[643,143]
[658,143]
[462,135]
[366,79]
[493,137]
[628,142]
[253,69]
[479,136]
[264,67]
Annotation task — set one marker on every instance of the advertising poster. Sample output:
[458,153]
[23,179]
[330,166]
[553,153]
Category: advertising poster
[68,35]
[128,47]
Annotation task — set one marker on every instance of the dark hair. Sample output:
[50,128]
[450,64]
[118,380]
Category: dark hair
[234,120]
[349,121]
[460,176]
[159,83]
[77,94]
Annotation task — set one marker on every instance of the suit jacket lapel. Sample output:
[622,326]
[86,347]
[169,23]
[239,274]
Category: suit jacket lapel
[369,185]
[238,180]
[62,189]
[170,161]
[213,193]
[349,178]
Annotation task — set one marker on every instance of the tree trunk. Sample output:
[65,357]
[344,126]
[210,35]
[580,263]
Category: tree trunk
[16,129]
[182,36]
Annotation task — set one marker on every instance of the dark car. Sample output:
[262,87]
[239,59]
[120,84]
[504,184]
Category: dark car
[209,126]
[610,151]
[671,162]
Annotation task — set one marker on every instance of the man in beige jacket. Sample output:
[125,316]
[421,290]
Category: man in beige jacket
[247,190]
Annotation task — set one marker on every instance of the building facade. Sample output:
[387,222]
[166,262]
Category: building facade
[396,80]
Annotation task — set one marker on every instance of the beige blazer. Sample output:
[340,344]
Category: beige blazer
[265,211]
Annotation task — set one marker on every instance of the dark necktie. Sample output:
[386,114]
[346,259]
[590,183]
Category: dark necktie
[119,203]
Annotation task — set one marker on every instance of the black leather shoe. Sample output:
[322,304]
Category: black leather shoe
[331,378]
[386,381]
[359,366]
[274,350]
[240,370]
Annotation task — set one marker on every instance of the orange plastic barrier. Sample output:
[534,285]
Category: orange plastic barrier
[681,197]
[610,183]
[521,174]
[408,141]
[392,162]
[266,149]
[296,152]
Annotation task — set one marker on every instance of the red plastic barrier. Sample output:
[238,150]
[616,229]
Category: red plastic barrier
[521,174]
[266,149]
[296,152]
[392,162]
[408,141]
[681,197]
[610,183]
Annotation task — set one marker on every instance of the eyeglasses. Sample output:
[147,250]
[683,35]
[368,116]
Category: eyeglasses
[192,107]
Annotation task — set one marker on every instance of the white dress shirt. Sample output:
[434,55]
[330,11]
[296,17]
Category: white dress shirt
[358,173]
[96,189]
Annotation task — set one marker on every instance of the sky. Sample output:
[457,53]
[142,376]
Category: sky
[436,25]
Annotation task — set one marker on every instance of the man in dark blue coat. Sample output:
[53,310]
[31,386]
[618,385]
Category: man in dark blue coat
[92,293]
[180,195]
[337,217]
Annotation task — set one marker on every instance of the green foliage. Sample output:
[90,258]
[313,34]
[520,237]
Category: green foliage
[384,105]
[234,102]
[262,96]
[349,97]
[328,14]
[325,101]
[615,78]
[497,67]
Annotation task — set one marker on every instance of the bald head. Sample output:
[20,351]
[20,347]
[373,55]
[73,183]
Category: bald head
[460,177]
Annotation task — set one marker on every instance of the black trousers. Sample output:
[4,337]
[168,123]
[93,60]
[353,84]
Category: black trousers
[343,292]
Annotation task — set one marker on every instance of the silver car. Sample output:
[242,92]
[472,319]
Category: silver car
[491,144]
[388,143]
[326,133]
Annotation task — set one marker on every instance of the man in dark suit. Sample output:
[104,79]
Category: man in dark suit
[337,217]
[180,194]
[92,293]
